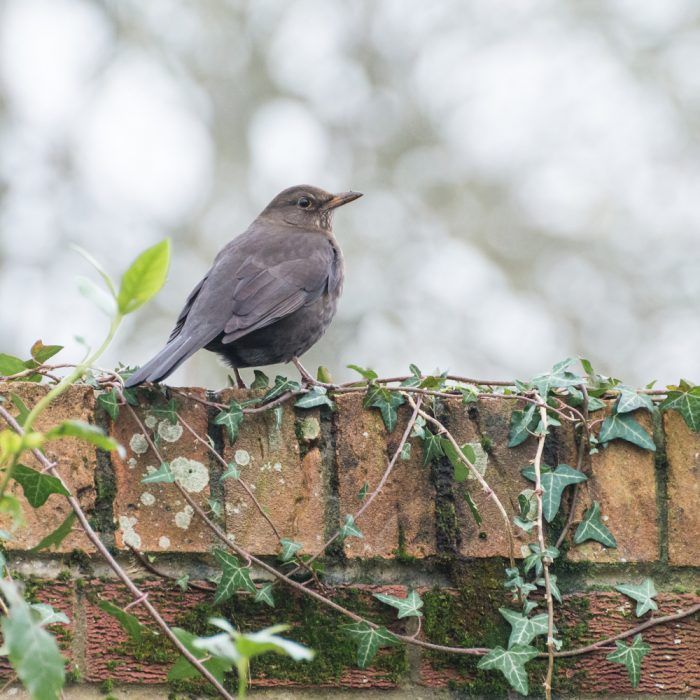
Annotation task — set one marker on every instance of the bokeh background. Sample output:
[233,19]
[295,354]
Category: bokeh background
[531,171]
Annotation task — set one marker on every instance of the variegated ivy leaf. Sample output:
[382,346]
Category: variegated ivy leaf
[524,629]
[686,400]
[630,400]
[289,549]
[625,427]
[407,607]
[369,640]
[349,529]
[631,656]
[234,577]
[522,423]
[643,594]
[553,484]
[318,396]
[592,528]
[511,664]
[264,595]
[231,419]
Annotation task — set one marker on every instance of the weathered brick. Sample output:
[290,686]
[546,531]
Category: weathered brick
[683,454]
[285,477]
[76,463]
[155,517]
[622,479]
[401,520]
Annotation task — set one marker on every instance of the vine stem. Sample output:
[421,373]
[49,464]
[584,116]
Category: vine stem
[476,474]
[135,591]
[545,559]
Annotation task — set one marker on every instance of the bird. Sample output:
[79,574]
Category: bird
[270,294]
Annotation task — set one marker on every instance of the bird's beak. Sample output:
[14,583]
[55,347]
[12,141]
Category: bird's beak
[343,198]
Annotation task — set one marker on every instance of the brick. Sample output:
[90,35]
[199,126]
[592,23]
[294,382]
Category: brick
[285,477]
[622,479]
[402,517]
[76,463]
[155,517]
[683,455]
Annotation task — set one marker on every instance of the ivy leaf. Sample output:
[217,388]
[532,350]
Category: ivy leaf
[595,404]
[630,400]
[552,586]
[264,595]
[643,594]
[46,615]
[55,538]
[9,365]
[261,380]
[144,278]
[21,407]
[289,549]
[234,577]
[408,607]
[282,385]
[625,427]
[87,432]
[162,476]
[535,558]
[136,630]
[232,472]
[405,451]
[524,629]
[461,470]
[553,484]
[362,494]
[432,448]
[369,374]
[687,403]
[592,528]
[102,299]
[110,402]
[41,353]
[37,486]
[182,669]
[631,656]
[231,419]
[349,529]
[32,650]
[387,402]
[369,640]
[521,425]
[511,664]
[473,508]
[168,412]
[318,396]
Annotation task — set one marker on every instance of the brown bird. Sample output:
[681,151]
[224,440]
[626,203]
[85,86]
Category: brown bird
[271,292]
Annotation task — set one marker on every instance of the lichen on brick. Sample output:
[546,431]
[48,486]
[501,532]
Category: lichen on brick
[169,432]
[191,474]
[138,443]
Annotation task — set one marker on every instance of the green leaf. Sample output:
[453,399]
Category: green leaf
[369,374]
[37,486]
[110,402]
[162,476]
[231,419]
[643,594]
[625,427]
[369,640]
[183,669]
[41,353]
[261,380]
[264,595]
[9,365]
[55,538]
[552,586]
[318,396]
[252,644]
[461,470]
[432,448]
[234,577]
[473,508]
[289,549]
[130,623]
[407,607]
[524,629]
[470,394]
[46,615]
[144,278]
[323,374]
[553,484]
[167,412]
[522,423]
[349,529]
[102,299]
[362,494]
[511,664]
[387,402]
[232,472]
[595,404]
[630,400]
[21,408]
[32,650]
[687,403]
[87,432]
[535,559]
[631,656]
[405,453]
[282,386]
[592,528]
[100,270]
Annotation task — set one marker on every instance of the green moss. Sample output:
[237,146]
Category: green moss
[486,444]
[107,686]
[400,553]
[64,575]
[446,520]
[81,560]
[73,675]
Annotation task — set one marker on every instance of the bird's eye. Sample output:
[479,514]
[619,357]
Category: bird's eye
[304,202]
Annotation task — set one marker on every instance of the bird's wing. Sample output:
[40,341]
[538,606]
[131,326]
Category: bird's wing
[186,309]
[264,293]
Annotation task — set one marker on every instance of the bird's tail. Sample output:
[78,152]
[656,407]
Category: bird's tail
[164,363]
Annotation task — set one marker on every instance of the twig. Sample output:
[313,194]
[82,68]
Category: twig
[154,570]
[135,591]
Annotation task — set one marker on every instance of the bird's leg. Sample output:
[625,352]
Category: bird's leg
[239,380]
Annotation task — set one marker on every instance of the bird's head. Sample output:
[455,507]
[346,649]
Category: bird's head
[307,207]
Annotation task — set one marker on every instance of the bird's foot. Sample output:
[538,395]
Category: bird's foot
[308,379]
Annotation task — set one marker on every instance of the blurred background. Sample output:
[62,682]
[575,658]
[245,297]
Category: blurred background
[531,171]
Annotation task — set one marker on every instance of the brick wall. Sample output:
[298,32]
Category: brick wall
[306,469]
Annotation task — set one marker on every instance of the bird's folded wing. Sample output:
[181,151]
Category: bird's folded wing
[263,295]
